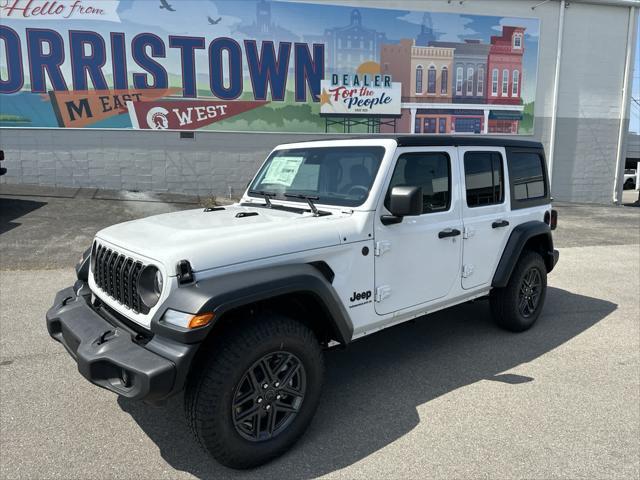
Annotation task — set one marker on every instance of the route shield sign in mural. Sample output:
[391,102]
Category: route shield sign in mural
[260,65]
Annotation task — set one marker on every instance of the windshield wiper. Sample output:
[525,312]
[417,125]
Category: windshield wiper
[309,199]
[265,195]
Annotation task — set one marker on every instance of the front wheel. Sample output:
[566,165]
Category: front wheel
[257,394]
[517,306]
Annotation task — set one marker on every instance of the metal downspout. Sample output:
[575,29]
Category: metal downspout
[556,84]
[624,109]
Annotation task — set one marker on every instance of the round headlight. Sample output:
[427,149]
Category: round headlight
[157,282]
[150,285]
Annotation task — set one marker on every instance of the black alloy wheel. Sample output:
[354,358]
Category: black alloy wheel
[254,388]
[529,294]
[269,396]
[517,306]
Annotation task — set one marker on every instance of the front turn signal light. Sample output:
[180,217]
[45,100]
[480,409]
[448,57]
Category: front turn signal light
[187,320]
[200,320]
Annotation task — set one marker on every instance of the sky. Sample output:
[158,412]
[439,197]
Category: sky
[634,109]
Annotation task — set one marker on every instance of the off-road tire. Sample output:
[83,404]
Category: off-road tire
[506,302]
[212,388]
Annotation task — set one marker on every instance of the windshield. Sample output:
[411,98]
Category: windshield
[335,175]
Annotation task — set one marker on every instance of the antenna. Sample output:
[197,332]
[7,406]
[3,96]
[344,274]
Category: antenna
[538,4]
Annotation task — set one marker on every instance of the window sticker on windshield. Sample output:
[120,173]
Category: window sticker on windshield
[283,170]
[307,177]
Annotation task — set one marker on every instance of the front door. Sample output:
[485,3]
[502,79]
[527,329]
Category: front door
[484,210]
[419,259]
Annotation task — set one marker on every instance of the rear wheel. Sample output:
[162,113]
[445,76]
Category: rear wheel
[256,392]
[517,306]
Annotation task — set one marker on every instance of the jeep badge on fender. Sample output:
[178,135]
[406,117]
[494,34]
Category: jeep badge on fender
[234,305]
[360,296]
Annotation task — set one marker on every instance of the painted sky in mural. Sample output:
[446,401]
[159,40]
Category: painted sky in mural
[262,65]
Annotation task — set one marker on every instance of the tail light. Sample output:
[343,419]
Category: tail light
[551,219]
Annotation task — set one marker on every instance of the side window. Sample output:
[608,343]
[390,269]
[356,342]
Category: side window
[483,178]
[429,170]
[527,175]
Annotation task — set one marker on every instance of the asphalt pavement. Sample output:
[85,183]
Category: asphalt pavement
[447,396]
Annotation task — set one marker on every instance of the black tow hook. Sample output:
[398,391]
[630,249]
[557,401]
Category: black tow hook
[65,301]
[105,337]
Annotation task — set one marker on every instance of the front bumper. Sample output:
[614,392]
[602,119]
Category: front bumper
[111,355]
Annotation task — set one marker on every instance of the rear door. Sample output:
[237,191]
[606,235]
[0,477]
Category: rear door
[485,208]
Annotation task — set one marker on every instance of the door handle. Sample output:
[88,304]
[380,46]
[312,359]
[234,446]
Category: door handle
[500,224]
[449,232]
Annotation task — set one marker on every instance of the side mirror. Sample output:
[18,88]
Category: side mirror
[404,202]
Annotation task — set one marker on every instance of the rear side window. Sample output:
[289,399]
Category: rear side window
[527,175]
[483,178]
[429,170]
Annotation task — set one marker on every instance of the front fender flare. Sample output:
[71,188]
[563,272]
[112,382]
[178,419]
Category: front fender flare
[224,293]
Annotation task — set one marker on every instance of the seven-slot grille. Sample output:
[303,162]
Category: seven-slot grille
[117,275]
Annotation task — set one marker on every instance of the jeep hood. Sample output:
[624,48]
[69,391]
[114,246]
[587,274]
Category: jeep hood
[211,239]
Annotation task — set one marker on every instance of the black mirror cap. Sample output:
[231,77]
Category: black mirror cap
[406,201]
[1,155]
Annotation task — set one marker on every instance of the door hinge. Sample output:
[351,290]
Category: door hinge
[467,270]
[382,293]
[468,232]
[382,247]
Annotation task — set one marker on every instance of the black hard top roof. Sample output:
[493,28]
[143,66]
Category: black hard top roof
[417,140]
[458,140]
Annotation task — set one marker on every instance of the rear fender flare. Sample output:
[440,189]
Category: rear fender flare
[520,235]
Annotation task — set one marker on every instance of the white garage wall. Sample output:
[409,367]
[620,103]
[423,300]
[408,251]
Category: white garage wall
[590,94]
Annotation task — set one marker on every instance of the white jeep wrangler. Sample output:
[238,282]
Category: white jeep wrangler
[332,241]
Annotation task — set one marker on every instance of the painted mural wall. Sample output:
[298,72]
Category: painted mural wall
[259,65]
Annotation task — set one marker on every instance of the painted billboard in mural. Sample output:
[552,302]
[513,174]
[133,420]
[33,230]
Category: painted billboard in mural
[260,65]
[361,94]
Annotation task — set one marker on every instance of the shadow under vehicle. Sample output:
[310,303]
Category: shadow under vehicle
[373,388]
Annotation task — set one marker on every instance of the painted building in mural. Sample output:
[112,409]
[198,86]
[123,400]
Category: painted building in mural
[427,34]
[469,70]
[504,67]
[265,28]
[425,74]
[431,81]
[351,44]
[395,60]
[446,86]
